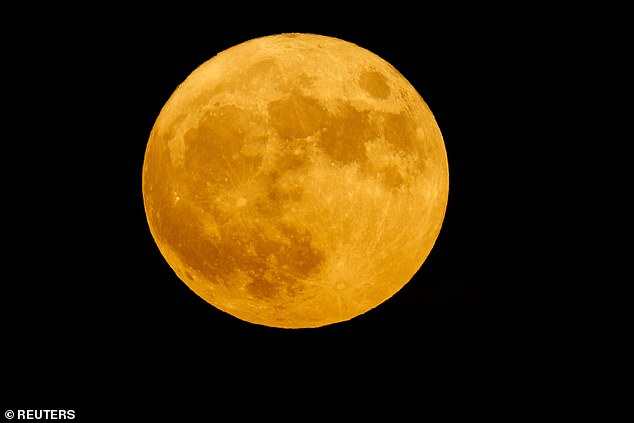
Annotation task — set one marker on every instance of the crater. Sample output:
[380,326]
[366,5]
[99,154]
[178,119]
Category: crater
[375,84]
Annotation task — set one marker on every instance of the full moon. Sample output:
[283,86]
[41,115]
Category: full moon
[295,181]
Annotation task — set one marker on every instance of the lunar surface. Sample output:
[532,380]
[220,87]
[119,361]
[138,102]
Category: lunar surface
[295,181]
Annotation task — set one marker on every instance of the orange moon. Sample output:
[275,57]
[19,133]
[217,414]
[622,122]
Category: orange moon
[295,181]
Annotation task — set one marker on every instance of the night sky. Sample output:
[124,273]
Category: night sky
[503,321]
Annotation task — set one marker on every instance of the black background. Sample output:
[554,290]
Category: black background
[506,320]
